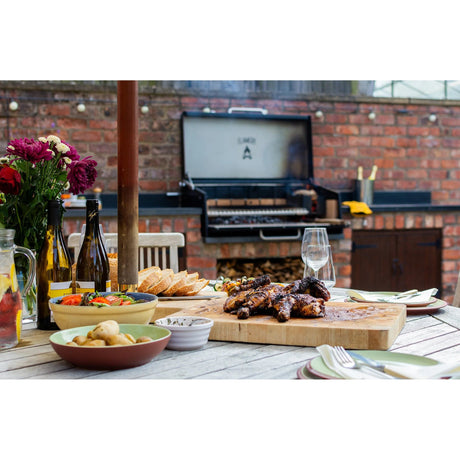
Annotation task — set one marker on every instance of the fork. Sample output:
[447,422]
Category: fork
[345,360]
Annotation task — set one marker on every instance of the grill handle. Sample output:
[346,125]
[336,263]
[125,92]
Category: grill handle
[248,109]
[278,238]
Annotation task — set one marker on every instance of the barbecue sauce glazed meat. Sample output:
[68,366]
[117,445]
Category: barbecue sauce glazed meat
[303,298]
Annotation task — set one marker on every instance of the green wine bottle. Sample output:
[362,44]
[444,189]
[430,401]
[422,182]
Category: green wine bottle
[54,267]
[93,269]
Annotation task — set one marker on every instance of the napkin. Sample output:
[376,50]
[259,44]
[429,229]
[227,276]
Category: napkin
[412,371]
[363,373]
[420,297]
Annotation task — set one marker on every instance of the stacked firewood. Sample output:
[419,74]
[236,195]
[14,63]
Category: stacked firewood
[281,270]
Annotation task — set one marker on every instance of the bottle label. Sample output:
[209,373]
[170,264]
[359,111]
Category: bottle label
[84,286]
[60,289]
[89,286]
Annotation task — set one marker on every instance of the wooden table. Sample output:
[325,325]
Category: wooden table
[436,336]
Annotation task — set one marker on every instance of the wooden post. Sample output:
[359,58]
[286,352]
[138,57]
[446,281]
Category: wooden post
[128,185]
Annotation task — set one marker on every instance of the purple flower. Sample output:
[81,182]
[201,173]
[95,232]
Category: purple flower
[81,175]
[30,150]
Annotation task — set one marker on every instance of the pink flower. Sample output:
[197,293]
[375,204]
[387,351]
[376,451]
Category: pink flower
[30,150]
[81,175]
[10,180]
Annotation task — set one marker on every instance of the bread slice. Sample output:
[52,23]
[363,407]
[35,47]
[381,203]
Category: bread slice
[147,277]
[197,287]
[179,280]
[163,283]
[192,279]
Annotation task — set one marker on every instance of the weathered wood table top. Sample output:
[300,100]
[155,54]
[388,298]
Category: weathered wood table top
[436,335]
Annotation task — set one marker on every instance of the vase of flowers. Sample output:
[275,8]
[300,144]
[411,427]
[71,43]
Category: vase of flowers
[32,173]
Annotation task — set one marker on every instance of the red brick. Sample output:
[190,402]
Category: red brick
[87,136]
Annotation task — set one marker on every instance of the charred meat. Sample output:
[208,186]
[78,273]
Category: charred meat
[303,298]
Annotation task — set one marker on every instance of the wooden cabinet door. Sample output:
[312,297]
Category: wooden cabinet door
[385,260]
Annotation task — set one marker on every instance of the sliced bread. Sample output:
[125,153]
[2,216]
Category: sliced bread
[179,280]
[188,286]
[163,283]
[147,277]
[196,287]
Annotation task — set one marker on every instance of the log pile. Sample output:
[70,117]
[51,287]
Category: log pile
[281,270]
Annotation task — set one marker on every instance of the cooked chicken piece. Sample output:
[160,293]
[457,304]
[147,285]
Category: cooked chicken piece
[308,285]
[307,306]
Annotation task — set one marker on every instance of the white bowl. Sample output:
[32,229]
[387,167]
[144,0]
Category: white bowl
[187,332]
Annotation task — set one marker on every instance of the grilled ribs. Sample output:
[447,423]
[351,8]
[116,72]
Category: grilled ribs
[302,298]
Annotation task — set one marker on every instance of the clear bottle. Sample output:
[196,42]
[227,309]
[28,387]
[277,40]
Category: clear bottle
[54,267]
[93,269]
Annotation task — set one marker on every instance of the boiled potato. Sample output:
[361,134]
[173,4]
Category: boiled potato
[80,339]
[143,339]
[95,343]
[130,338]
[105,329]
[118,339]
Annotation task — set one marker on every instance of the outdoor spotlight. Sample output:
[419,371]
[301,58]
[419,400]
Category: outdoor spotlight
[371,116]
[13,106]
[81,107]
[144,109]
[319,114]
[432,118]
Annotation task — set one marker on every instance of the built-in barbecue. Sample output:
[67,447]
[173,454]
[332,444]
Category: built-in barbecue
[252,175]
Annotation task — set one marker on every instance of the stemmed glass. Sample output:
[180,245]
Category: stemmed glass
[317,256]
[326,273]
[313,236]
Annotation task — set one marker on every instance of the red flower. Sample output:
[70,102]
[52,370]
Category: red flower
[10,180]
[82,174]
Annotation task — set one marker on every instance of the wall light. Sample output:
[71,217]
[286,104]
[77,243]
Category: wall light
[81,107]
[371,116]
[144,109]
[13,106]
[432,118]
[319,114]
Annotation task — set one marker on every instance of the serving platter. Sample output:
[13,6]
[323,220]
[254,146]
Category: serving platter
[351,324]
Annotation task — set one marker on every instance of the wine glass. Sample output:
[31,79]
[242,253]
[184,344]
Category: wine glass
[315,235]
[317,256]
[326,273]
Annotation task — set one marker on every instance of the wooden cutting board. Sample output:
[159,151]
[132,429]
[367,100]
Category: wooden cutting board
[353,325]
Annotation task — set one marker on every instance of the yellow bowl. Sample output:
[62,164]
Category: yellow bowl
[70,316]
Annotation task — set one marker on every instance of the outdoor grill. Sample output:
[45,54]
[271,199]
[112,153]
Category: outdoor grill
[252,175]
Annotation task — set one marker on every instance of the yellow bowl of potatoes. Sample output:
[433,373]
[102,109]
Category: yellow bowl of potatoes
[109,345]
[68,316]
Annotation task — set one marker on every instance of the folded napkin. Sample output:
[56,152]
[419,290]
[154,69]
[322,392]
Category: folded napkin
[363,373]
[357,208]
[419,297]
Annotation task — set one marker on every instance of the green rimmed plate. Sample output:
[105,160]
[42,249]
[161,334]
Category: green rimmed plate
[318,368]
[111,357]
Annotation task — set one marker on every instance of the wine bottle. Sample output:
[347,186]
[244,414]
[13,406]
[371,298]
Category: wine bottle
[93,269]
[54,267]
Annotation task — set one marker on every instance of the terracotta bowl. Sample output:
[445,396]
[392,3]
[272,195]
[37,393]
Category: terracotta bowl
[69,316]
[111,357]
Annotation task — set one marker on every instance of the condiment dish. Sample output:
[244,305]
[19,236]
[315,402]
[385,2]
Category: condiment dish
[188,332]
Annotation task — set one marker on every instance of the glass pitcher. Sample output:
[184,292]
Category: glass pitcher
[10,295]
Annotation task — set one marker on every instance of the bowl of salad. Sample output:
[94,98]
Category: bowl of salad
[76,310]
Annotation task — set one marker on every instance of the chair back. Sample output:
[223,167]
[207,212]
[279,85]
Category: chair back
[159,249]
[456,301]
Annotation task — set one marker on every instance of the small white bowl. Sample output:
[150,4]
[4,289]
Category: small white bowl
[187,332]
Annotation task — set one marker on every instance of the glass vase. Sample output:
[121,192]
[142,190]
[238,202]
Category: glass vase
[29,301]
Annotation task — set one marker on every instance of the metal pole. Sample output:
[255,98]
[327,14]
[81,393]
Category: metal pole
[128,185]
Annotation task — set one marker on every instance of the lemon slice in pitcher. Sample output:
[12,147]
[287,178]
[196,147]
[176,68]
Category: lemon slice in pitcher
[5,283]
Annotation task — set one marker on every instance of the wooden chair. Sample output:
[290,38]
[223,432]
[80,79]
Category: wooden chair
[159,249]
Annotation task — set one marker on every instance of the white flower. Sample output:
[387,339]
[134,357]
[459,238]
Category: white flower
[54,139]
[62,148]
[67,185]
[52,153]
[42,139]
[4,160]
[11,147]
[67,160]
